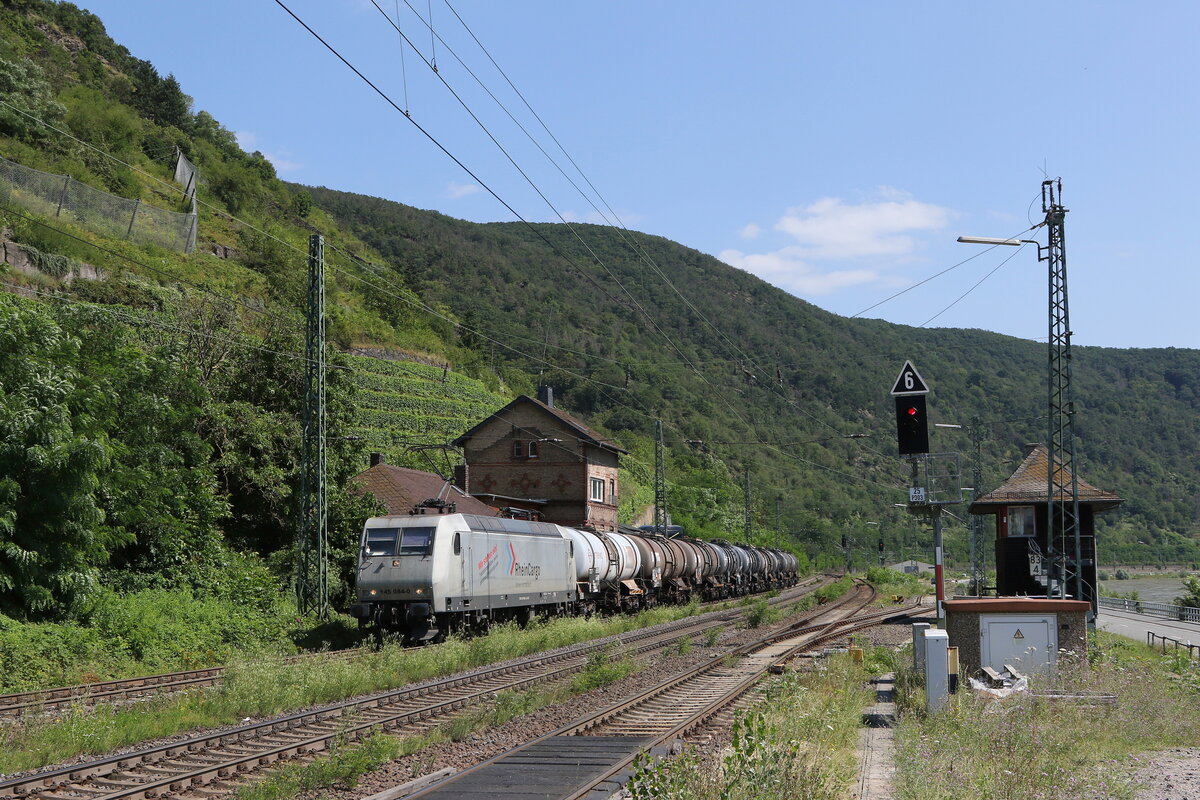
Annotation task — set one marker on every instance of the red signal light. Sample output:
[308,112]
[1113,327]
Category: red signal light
[912,412]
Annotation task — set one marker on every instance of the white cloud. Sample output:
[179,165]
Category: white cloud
[875,234]
[786,269]
[248,141]
[454,191]
[831,229]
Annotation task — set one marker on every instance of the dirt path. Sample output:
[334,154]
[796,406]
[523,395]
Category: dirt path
[1169,775]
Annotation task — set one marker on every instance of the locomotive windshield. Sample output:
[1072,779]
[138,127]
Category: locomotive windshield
[413,542]
[380,542]
[416,542]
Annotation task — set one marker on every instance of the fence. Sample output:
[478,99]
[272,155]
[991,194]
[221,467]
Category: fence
[1163,610]
[107,214]
[1155,640]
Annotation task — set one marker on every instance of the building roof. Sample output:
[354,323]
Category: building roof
[1028,485]
[400,488]
[584,433]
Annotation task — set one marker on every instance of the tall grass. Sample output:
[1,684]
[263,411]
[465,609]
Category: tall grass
[1035,749]
[263,688]
[798,743]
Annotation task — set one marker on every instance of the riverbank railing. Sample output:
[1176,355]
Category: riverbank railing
[1151,609]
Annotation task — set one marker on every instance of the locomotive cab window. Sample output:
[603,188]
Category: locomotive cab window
[380,542]
[416,541]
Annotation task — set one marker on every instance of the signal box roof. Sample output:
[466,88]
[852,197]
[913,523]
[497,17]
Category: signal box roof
[1027,486]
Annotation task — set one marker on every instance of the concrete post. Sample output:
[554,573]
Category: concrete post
[937,669]
[919,629]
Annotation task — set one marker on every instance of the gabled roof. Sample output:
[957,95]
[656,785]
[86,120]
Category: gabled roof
[1028,486]
[400,488]
[582,431]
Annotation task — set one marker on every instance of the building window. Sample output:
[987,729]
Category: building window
[518,449]
[612,490]
[533,447]
[1021,522]
[597,490]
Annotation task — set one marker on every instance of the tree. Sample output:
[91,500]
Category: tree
[1191,596]
[24,85]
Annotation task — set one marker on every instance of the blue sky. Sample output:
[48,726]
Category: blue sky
[834,149]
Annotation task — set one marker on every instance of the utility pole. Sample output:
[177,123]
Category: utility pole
[746,501]
[1063,527]
[312,567]
[977,559]
[660,481]
[778,521]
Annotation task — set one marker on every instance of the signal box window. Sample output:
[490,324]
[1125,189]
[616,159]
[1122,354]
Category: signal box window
[1021,522]
[597,490]
[518,449]
[533,449]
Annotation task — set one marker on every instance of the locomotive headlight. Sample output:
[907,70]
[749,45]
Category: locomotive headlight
[420,591]
[374,592]
[396,563]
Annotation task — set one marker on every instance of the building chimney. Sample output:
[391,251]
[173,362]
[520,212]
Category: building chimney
[546,395]
[376,459]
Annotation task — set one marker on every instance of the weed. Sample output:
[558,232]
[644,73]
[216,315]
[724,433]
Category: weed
[600,671]
[760,614]
[713,634]
[343,765]
[685,646]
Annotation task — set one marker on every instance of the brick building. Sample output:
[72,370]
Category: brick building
[531,455]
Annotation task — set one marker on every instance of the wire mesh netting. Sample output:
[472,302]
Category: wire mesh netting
[63,197]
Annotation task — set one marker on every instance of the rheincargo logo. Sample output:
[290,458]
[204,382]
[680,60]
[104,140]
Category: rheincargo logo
[526,570]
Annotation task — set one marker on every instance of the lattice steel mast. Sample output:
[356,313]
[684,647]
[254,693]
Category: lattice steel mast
[1063,523]
[312,566]
[660,481]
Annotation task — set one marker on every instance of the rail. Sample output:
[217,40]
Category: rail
[1152,609]
[1193,650]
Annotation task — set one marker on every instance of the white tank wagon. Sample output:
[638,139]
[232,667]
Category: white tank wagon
[426,575]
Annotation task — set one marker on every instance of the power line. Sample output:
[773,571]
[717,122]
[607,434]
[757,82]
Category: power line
[144,265]
[596,258]
[936,275]
[19,289]
[974,287]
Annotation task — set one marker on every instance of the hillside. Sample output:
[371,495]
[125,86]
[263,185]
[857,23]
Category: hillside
[815,375]
[151,395]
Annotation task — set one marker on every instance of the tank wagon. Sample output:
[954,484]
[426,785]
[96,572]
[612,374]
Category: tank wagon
[425,576]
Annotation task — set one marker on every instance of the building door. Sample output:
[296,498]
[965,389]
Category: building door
[1027,641]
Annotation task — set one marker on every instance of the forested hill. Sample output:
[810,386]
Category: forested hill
[768,367]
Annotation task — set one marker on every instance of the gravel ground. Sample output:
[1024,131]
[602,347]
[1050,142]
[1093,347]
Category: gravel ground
[1169,775]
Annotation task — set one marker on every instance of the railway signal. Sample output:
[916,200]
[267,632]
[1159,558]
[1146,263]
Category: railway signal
[912,419]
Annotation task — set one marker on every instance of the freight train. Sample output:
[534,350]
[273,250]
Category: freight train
[426,576]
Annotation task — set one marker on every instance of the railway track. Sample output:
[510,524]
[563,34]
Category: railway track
[585,755]
[18,704]
[208,765]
